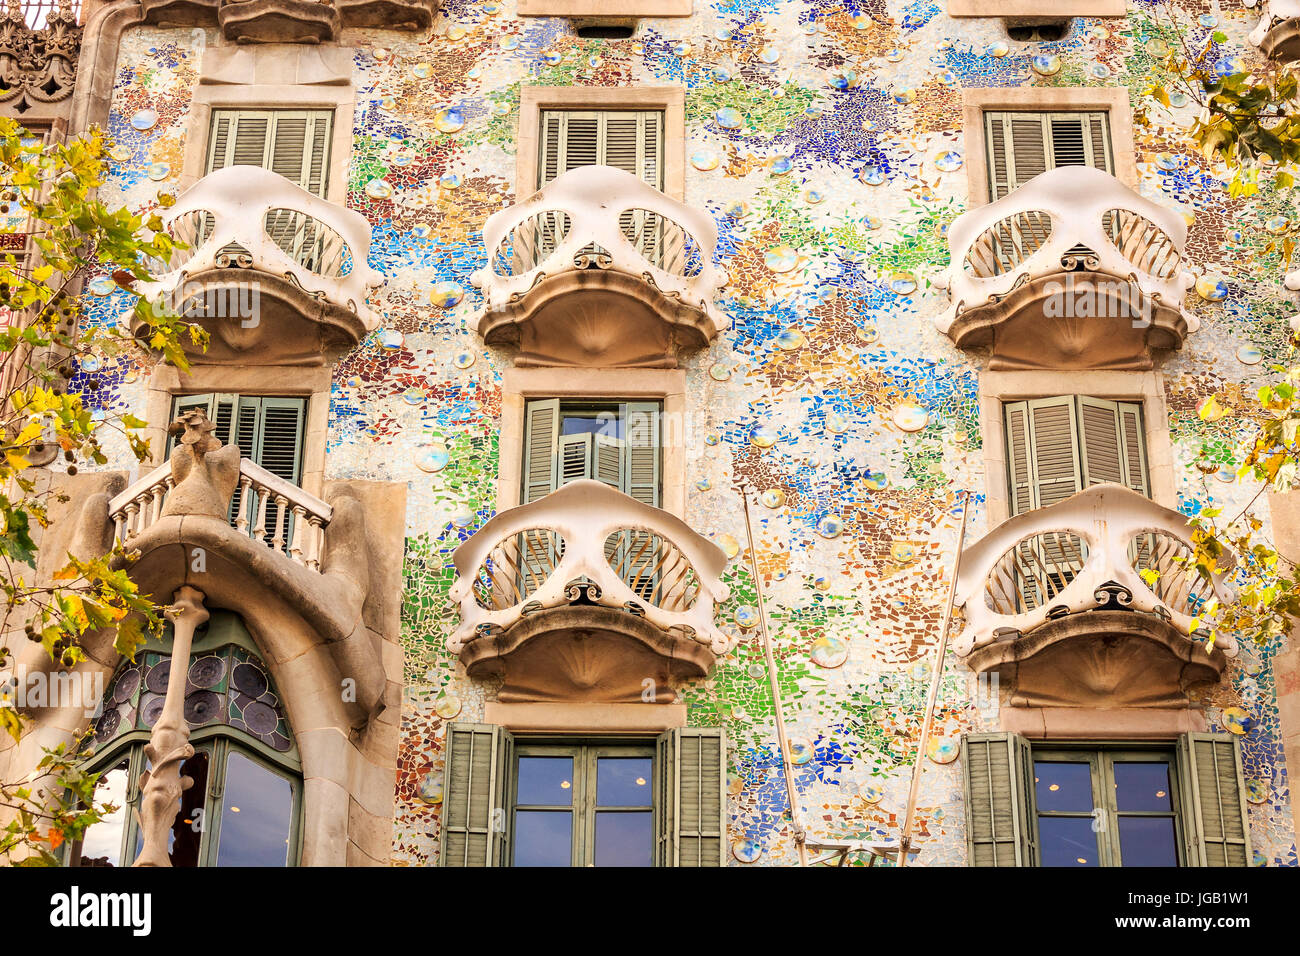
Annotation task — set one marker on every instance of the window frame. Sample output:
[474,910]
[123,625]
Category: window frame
[670,100]
[1112,100]
[1144,387]
[222,738]
[586,751]
[590,407]
[1101,756]
[666,386]
[1075,401]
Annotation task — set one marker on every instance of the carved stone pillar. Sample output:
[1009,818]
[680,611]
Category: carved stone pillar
[169,744]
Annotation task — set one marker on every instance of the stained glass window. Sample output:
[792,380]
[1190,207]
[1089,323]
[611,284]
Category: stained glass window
[244,805]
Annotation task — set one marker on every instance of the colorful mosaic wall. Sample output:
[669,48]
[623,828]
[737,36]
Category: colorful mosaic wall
[826,141]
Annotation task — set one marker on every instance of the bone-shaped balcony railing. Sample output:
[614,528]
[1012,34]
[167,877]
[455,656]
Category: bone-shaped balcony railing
[1067,218]
[251,218]
[1082,554]
[599,217]
[592,541]
[1274,13]
[264,506]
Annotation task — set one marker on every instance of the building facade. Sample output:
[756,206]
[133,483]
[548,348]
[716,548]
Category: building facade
[595,395]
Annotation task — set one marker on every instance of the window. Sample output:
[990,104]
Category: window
[1064,805]
[1046,31]
[1059,446]
[246,799]
[617,443]
[628,140]
[583,805]
[1106,807]
[269,432]
[518,801]
[293,143]
[1024,144]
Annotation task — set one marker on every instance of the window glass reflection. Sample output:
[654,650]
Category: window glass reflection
[624,839]
[1147,841]
[257,816]
[1142,786]
[101,845]
[1063,787]
[543,837]
[545,781]
[623,781]
[1067,841]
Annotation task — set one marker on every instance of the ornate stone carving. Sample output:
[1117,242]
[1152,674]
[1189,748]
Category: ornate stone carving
[291,21]
[204,472]
[1072,270]
[169,744]
[37,66]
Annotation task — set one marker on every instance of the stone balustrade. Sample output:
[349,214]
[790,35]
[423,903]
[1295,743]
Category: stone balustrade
[266,507]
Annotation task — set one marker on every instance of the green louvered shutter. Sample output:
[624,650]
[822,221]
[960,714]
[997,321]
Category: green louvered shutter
[574,457]
[541,436]
[1018,473]
[690,797]
[1054,450]
[1001,827]
[278,449]
[641,480]
[475,821]
[218,406]
[1214,800]
[628,140]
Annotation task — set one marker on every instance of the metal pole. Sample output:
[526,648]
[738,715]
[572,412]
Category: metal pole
[792,796]
[936,678]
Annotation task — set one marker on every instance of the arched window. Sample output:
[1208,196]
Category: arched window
[245,804]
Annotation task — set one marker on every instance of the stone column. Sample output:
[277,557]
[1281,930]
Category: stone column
[169,744]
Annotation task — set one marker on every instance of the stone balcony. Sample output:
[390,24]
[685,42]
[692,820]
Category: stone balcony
[270,270]
[585,595]
[39,45]
[1055,601]
[599,269]
[250,541]
[1071,270]
[291,21]
[1278,32]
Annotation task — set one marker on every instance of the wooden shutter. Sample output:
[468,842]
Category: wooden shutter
[475,821]
[1215,825]
[1001,826]
[643,461]
[631,141]
[218,406]
[1022,145]
[1053,450]
[1018,467]
[1134,445]
[1112,447]
[690,797]
[541,437]
[575,457]
[608,467]
[292,143]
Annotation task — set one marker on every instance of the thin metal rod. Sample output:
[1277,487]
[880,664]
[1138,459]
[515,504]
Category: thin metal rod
[936,678]
[792,795]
